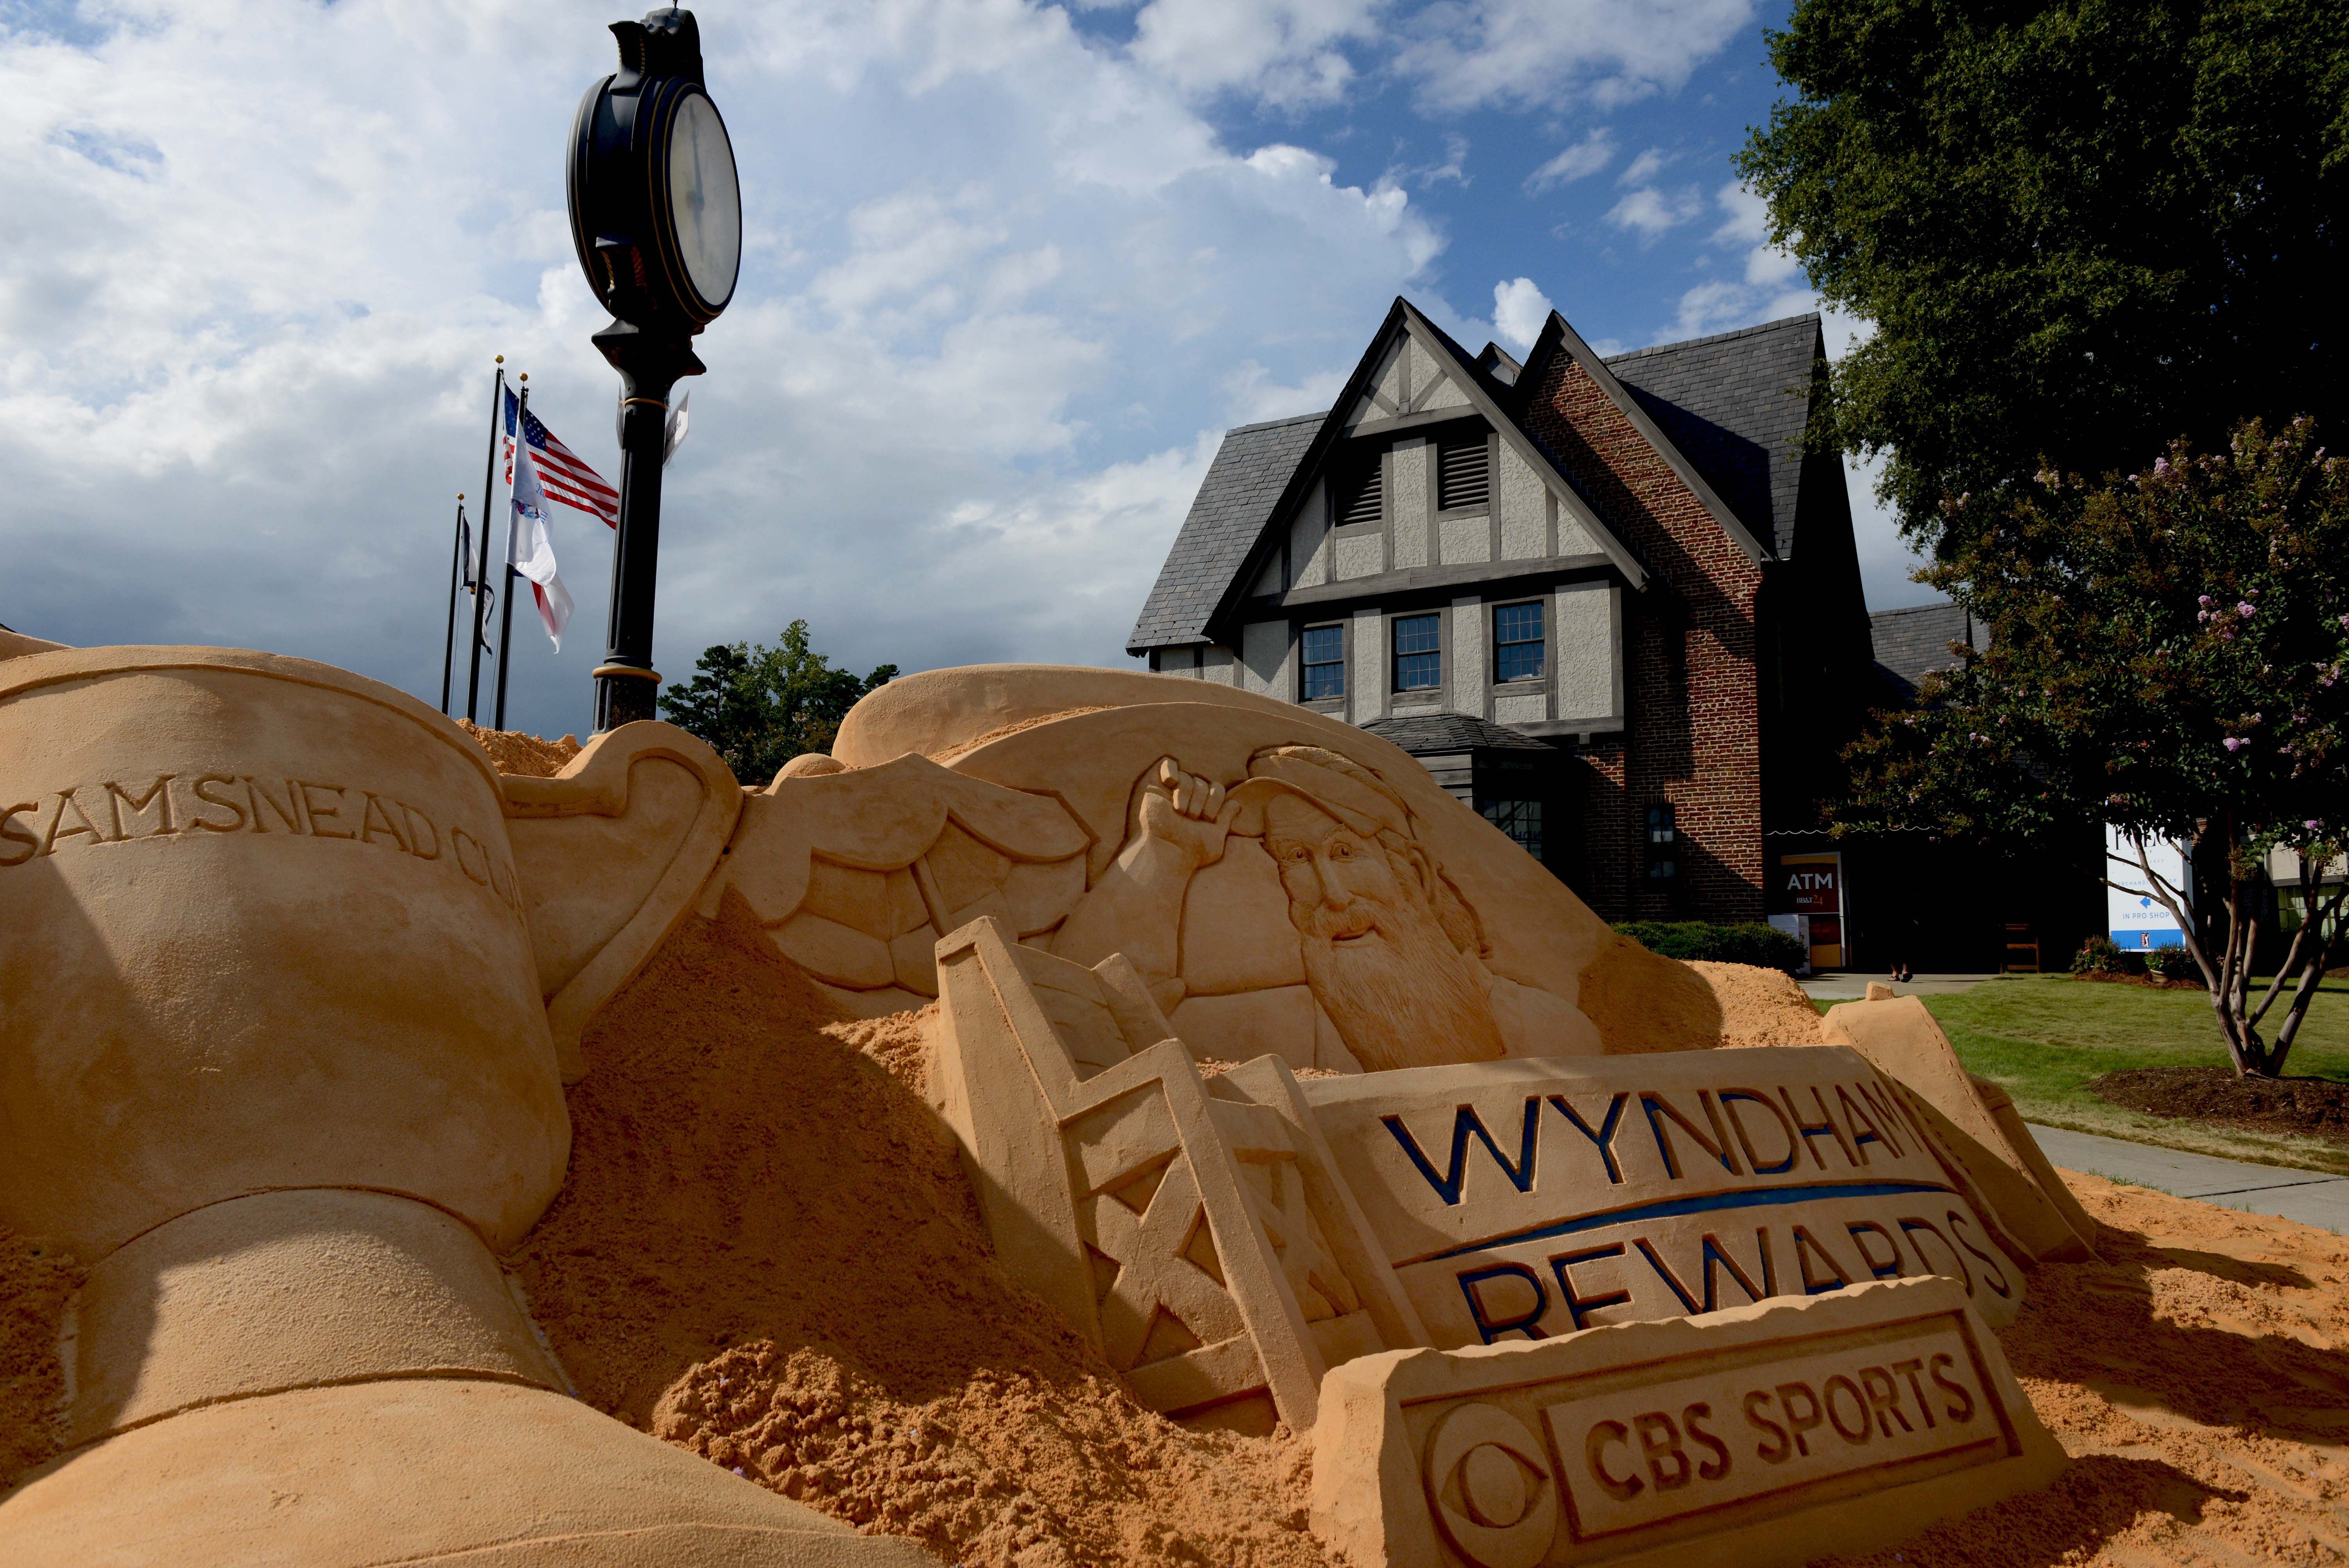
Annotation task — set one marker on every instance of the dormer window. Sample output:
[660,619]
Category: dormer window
[1464,471]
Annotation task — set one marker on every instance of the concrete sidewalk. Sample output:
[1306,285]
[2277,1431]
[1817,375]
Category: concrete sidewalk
[2311,1197]
[1853,986]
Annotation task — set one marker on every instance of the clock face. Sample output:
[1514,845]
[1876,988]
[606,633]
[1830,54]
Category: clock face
[706,203]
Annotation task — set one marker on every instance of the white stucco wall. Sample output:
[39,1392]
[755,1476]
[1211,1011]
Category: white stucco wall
[1309,541]
[1468,678]
[1366,679]
[1465,539]
[1407,501]
[1264,655]
[1524,503]
[1589,651]
[1522,707]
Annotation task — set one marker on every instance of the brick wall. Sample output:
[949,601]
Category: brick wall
[1694,733]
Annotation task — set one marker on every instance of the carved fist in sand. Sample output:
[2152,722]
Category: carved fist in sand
[1186,811]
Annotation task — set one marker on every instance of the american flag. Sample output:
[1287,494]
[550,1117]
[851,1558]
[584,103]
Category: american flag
[567,480]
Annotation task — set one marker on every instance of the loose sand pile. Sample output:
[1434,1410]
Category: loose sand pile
[512,751]
[1761,1007]
[768,1254]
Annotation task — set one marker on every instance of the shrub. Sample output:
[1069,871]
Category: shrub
[2097,955]
[2173,963]
[1764,946]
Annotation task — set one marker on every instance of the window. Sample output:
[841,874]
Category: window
[1521,820]
[1418,653]
[1366,501]
[1517,642]
[1325,664]
[1464,471]
[1663,844]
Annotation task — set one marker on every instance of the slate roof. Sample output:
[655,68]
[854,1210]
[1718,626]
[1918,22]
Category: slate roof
[1914,643]
[1737,404]
[1226,518]
[1427,735]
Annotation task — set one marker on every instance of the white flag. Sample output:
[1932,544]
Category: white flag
[531,550]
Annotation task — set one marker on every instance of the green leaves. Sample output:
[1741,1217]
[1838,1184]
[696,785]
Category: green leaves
[759,706]
[2166,650]
[2081,229]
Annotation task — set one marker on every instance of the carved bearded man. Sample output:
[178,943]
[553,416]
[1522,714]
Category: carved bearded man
[1391,952]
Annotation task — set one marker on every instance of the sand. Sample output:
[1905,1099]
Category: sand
[1761,1007]
[768,1254]
[526,755]
[2197,1377]
[36,1280]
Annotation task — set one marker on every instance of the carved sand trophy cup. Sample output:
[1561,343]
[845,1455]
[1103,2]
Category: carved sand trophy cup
[275,1064]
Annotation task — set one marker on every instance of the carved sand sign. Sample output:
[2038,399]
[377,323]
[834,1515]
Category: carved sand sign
[1227,1241]
[1746,1436]
[1532,1198]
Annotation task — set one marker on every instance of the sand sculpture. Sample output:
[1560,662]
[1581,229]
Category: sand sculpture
[1294,1087]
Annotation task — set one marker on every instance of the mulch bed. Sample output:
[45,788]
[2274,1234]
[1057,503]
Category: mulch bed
[2150,982]
[2318,1107]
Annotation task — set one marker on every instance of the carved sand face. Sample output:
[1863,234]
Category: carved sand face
[1378,963]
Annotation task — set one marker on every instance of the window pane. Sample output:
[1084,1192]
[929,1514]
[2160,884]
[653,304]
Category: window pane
[1521,820]
[1419,666]
[1416,634]
[1324,645]
[1518,623]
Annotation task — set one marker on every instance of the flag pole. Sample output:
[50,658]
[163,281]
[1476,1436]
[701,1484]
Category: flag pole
[456,578]
[482,577]
[505,610]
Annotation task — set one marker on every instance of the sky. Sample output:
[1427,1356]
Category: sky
[1011,270]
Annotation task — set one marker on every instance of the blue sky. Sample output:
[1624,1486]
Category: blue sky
[1011,270]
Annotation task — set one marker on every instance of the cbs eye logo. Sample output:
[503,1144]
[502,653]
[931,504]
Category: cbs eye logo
[1489,1486]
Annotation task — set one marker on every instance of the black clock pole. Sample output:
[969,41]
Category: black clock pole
[650,362]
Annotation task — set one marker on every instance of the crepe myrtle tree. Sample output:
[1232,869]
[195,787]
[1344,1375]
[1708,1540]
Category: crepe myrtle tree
[2168,654]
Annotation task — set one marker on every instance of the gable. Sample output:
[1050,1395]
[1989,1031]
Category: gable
[1407,379]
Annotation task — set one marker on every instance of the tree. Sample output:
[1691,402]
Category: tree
[2169,654]
[759,706]
[2080,229]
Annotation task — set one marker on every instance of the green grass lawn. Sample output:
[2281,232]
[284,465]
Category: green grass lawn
[2043,1036]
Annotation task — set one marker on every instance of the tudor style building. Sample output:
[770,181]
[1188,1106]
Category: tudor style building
[1612,602]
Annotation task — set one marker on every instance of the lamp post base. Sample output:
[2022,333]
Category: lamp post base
[624,694]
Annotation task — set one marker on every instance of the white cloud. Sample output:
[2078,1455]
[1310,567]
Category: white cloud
[995,279]
[1651,212]
[1284,53]
[1748,219]
[1579,160]
[1771,285]
[1886,562]
[1252,395]
[1472,54]
[1519,312]
[1644,169]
